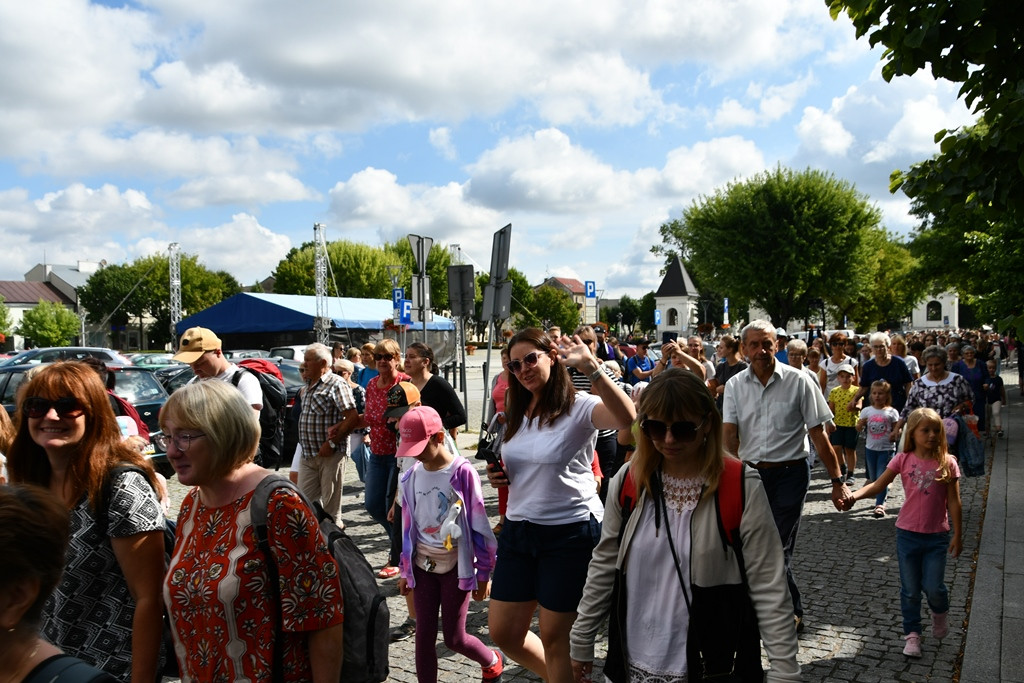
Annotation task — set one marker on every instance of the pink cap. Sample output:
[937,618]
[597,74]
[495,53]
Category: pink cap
[416,428]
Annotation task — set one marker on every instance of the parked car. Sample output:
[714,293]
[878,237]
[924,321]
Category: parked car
[52,354]
[155,360]
[294,352]
[237,354]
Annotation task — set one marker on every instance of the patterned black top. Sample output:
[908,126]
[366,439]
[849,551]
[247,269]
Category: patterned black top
[90,614]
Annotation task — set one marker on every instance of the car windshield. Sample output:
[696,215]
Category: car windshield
[137,386]
[11,389]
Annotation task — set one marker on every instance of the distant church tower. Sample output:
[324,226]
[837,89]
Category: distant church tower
[676,298]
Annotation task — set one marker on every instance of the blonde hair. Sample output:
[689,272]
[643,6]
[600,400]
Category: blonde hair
[882,384]
[221,412]
[923,417]
[671,395]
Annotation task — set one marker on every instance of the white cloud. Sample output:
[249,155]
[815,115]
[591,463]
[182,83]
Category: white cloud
[822,131]
[546,172]
[772,103]
[441,140]
[915,132]
[689,171]
[242,247]
[250,190]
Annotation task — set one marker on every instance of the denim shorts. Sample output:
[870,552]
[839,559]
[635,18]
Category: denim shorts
[845,437]
[546,563]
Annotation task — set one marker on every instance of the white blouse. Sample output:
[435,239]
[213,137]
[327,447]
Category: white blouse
[656,614]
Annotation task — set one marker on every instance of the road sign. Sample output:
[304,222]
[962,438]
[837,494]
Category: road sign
[591,289]
[499,253]
[497,301]
[657,317]
[420,250]
[397,294]
[406,315]
[461,290]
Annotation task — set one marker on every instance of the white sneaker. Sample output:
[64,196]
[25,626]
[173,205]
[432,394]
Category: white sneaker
[913,646]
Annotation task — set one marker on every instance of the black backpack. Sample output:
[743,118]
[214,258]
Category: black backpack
[367,618]
[275,400]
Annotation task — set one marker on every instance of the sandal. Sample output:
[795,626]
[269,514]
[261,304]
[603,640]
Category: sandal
[879,511]
[387,572]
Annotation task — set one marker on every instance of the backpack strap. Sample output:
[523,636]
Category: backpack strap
[67,669]
[729,500]
[627,499]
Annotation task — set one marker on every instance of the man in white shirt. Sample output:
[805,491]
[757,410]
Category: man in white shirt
[201,349]
[768,411]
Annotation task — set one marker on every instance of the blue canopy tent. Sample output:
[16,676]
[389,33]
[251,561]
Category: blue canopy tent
[250,313]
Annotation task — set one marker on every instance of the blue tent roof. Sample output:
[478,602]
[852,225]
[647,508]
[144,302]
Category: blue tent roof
[249,312]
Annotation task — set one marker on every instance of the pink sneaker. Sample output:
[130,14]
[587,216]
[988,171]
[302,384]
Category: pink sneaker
[940,625]
[913,646]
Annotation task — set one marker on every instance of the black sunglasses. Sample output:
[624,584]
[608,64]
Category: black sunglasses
[383,356]
[529,360]
[683,431]
[37,407]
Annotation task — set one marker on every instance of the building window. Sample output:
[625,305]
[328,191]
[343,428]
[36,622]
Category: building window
[933,311]
[673,317]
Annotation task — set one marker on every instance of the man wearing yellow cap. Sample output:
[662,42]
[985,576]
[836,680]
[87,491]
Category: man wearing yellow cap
[201,349]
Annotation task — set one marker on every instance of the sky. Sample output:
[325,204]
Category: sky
[232,127]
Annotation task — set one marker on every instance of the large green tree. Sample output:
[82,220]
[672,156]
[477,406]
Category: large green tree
[48,324]
[5,318]
[970,196]
[361,270]
[137,292]
[554,306]
[777,240]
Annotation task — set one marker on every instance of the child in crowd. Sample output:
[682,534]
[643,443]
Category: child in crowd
[877,421]
[996,399]
[843,434]
[448,549]
[931,482]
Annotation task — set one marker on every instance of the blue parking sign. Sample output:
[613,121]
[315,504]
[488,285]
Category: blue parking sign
[657,317]
[590,287]
[397,294]
[406,306]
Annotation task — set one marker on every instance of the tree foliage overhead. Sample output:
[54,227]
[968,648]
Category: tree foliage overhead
[48,324]
[123,294]
[360,270]
[555,306]
[776,240]
[970,196]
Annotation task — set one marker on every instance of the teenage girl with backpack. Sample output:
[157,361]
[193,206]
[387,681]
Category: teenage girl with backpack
[931,482]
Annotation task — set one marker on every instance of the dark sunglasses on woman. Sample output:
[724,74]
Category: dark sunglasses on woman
[37,407]
[383,356]
[683,431]
[529,360]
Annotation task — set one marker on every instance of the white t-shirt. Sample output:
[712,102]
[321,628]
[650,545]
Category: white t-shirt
[434,497]
[879,426]
[247,384]
[549,469]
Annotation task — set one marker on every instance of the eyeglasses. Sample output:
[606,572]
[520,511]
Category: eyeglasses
[383,356]
[529,360]
[184,441]
[37,407]
[683,431]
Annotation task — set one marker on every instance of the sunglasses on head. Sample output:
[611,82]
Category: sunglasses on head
[529,360]
[683,431]
[37,407]
[383,356]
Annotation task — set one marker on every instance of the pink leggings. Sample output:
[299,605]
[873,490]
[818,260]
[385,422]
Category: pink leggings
[441,592]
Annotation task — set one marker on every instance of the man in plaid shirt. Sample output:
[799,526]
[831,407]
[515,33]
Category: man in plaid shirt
[328,416]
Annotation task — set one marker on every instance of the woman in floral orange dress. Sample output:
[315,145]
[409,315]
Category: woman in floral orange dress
[223,619]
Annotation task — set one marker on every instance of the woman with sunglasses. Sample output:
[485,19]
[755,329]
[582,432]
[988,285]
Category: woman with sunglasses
[107,608]
[554,513]
[381,468]
[837,343]
[670,553]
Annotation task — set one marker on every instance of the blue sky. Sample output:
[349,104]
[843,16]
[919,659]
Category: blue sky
[232,127]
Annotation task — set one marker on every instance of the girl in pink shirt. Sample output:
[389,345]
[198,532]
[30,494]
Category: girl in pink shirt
[931,483]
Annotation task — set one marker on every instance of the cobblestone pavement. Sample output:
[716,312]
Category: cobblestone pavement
[845,565]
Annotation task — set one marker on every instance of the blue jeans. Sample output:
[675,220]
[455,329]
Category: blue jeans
[359,459]
[787,488]
[922,566]
[379,490]
[876,462]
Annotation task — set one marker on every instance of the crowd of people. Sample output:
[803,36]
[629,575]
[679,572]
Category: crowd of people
[609,462]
